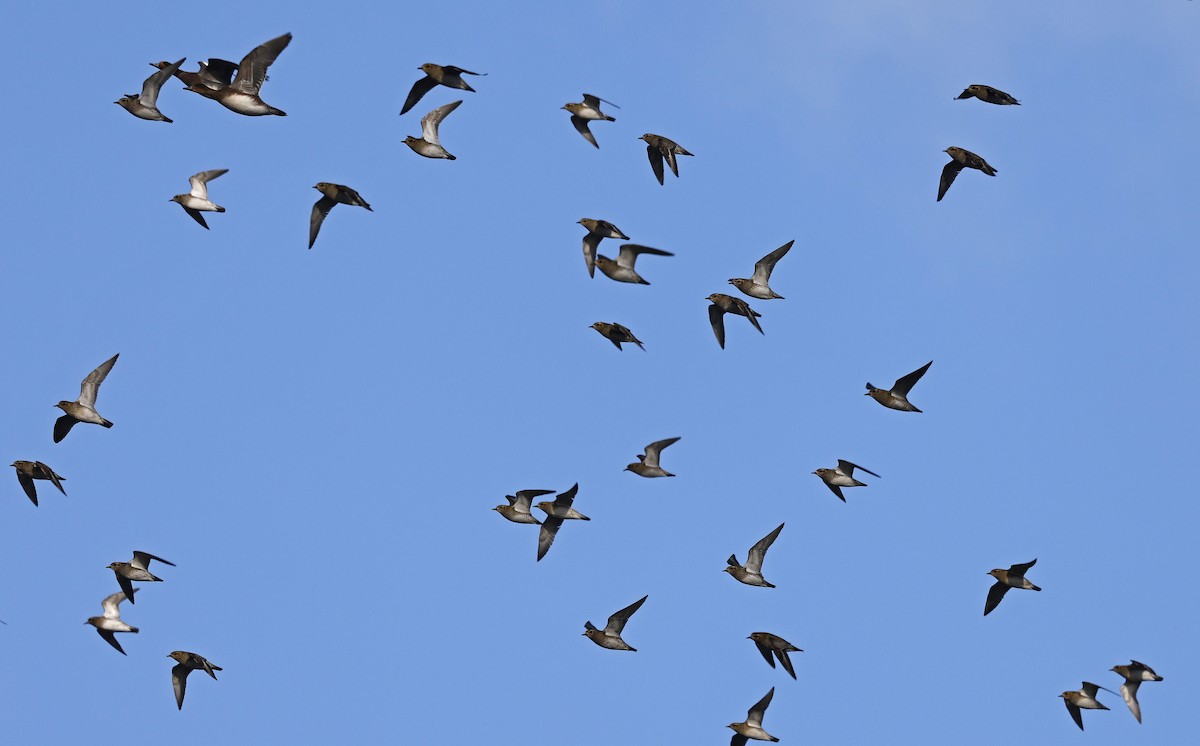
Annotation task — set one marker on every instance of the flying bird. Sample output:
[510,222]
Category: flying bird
[597,230]
[110,623]
[751,573]
[610,636]
[659,148]
[752,728]
[518,510]
[27,471]
[216,73]
[135,569]
[83,409]
[1013,577]
[588,111]
[897,396]
[197,201]
[242,94]
[616,334]
[992,96]
[557,512]
[768,643]
[447,75]
[1135,673]
[1085,698]
[756,286]
[842,476]
[145,106]
[647,463]
[960,159]
[428,143]
[723,304]
[622,269]
[186,663]
[332,194]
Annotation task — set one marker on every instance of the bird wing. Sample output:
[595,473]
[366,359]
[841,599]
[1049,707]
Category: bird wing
[581,126]
[949,174]
[111,605]
[252,70]
[153,84]
[749,313]
[630,251]
[763,267]
[565,499]
[524,498]
[617,621]
[195,214]
[904,384]
[27,481]
[758,552]
[755,715]
[546,535]
[590,242]
[654,449]
[126,585]
[836,490]
[91,384]
[787,662]
[430,122]
[420,88]
[656,161]
[995,593]
[142,560]
[765,650]
[217,73]
[179,676]
[62,426]
[199,181]
[593,101]
[1129,693]
[319,211]
[716,317]
[1076,715]
[848,468]
[1020,570]
[111,639]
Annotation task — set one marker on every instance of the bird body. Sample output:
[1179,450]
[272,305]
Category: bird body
[622,268]
[752,727]
[435,75]
[617,334]
[110,622]
[1013,577]
[897,396]
[769,644]
[556,512]
[960,158]
[136,569]
[647,463]
[989,95]
[242,93]
[610,636]
[27,471]
[751,572]
[331,194]
[588,111]
[842,476]
[1085,699]
[756,286]
[658,149]
[518,510]
[723,304]
[145,104]
[186,663]
[1135,673]
[196,200]
[84,408]
[428,144]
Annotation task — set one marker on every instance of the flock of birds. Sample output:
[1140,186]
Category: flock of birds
[237,87]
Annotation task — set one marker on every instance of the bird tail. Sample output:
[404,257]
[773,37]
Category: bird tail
[134,630]
[106,423]
[1033,587]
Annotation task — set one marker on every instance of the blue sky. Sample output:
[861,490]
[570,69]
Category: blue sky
[316,438]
